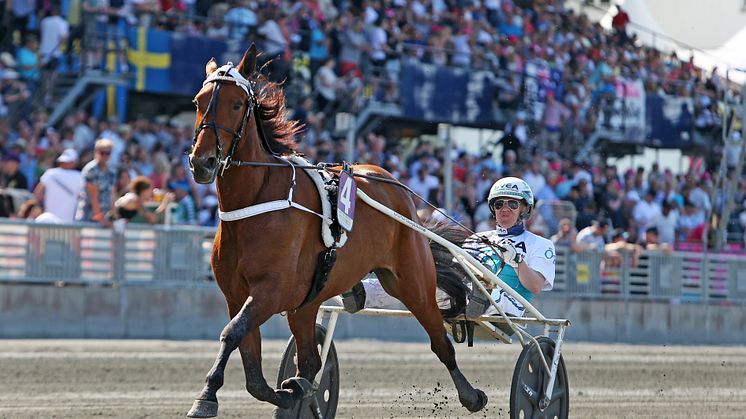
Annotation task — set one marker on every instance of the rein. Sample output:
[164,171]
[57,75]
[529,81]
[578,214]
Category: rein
[394,182]
[229,74]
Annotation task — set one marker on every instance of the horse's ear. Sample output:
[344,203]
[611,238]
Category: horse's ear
[247,66]
[210,67]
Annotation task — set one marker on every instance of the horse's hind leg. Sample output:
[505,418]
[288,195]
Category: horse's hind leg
[303,326]
[420,300]
[245,321]
[256,384]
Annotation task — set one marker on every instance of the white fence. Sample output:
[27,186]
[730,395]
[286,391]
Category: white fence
[89,254]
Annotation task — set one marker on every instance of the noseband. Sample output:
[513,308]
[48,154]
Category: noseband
[229,74]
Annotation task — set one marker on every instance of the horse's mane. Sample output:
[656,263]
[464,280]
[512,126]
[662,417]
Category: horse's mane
[279,130]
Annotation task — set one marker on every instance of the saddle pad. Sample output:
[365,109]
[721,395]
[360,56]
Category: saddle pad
[319,178]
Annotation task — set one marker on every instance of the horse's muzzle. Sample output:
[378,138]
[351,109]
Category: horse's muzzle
[204,169]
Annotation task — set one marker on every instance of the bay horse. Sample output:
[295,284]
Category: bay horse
[265,264]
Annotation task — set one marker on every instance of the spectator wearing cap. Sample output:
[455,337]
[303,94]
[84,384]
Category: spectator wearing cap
[11,177]
[593,237]
[186,212]
[97,196]
[13,91]
[7,61]
[59,187]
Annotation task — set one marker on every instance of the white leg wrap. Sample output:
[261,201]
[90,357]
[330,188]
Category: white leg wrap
[506,302]
[375,295]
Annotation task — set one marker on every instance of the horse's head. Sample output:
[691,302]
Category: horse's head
[224,107]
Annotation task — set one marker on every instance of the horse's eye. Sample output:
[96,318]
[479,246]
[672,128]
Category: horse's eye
[237,106]
[195,103]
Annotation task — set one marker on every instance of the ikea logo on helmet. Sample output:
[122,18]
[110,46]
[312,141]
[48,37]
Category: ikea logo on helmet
[511,186]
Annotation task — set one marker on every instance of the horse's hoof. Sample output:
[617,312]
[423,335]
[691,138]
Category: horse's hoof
[203,409]
[291,413]
[475,405]
[299,387]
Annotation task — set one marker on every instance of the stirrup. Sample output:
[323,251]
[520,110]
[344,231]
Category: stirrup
[353,300]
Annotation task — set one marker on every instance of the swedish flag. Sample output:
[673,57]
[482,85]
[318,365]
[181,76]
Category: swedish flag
[149,57]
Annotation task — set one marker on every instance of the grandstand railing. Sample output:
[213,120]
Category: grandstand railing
[87,254]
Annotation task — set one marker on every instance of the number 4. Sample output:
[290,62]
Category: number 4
[344,194]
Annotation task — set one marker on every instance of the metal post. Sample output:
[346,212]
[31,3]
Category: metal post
[448,173]
[728,196]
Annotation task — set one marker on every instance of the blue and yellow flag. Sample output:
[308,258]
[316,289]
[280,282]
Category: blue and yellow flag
[149,57]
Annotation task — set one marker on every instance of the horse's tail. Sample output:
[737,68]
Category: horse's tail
[450,274]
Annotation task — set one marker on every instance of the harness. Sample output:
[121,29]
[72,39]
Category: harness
[332,234]
[230,74]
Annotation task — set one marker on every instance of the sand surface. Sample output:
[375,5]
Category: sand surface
[159,379]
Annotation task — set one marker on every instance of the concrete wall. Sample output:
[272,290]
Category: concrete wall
[198,312]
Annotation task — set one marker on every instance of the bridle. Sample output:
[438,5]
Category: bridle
[229,74]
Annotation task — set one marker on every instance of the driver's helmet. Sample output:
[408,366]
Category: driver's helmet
[512,187]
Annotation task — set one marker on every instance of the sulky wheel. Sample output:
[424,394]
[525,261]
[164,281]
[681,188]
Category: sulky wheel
[529,384]
[327,394]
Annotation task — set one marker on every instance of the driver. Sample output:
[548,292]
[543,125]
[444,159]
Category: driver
[529,259]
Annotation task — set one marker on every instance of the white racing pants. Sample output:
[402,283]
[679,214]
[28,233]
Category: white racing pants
[376,297]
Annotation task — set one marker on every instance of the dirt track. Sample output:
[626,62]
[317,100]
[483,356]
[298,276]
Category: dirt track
[155,379]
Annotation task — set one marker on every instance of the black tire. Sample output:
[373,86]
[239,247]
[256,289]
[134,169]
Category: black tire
[529,382]
[327,394]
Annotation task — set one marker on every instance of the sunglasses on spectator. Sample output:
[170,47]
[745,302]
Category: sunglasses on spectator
[512,204]
[104,152]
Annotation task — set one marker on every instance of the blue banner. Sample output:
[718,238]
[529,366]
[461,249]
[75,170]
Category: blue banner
[189,54]
[669,121]
[168,62]
[443,94]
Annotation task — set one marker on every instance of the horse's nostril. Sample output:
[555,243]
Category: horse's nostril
[210,163]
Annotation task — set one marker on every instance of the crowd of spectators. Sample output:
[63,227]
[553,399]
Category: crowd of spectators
[346,53]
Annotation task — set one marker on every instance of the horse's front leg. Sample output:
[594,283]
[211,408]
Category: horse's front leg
[248,319]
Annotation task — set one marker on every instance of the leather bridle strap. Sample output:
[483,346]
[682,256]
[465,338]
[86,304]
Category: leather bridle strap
[229,74]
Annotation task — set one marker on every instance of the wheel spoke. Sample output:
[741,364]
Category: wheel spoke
[327,368]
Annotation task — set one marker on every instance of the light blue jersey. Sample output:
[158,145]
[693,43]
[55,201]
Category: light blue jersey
[538,254]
